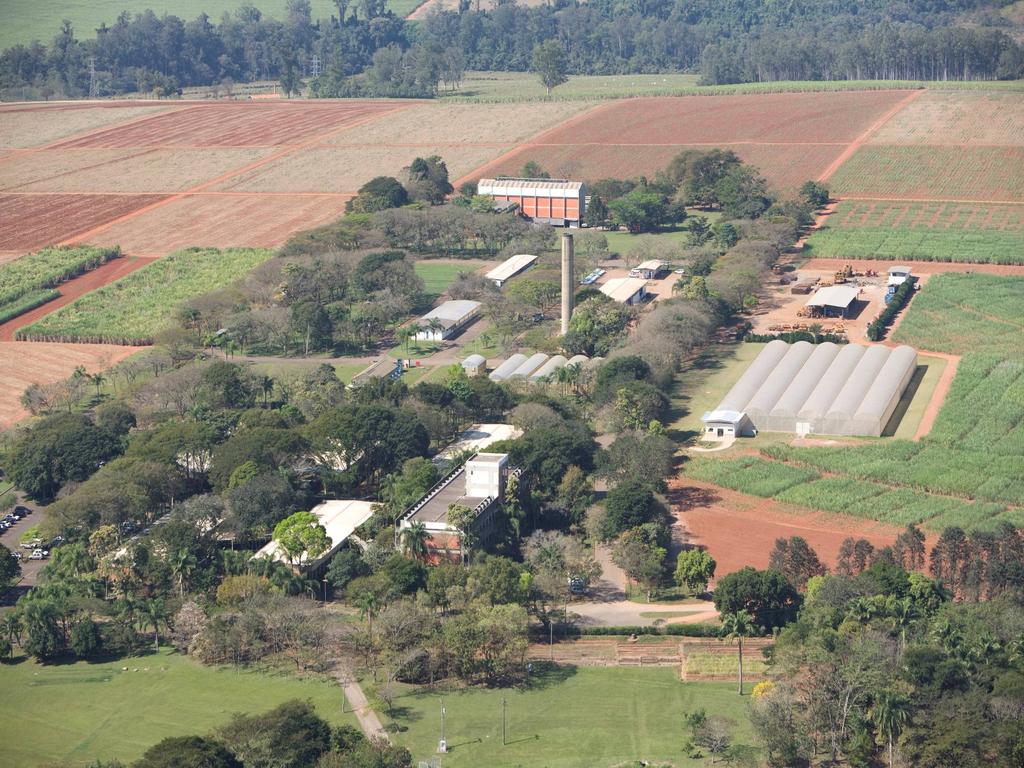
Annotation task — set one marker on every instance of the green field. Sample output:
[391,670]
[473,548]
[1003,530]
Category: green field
[438,275]
[592,718]
[981,174]
[25,282]
[524,86]
[953,232]
[136,307]
[28,20]
[961,313]
[77,713]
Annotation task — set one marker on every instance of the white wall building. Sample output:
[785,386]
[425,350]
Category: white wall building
[626,290]
[448,319]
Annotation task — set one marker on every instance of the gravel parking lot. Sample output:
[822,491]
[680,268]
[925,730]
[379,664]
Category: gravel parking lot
[29,568]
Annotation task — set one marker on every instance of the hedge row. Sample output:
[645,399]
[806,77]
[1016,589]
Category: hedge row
[794,336]
[675,630]
[878,327]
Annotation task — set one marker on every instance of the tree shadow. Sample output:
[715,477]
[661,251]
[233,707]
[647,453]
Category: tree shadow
[401,716]
[545,674]
[688,497]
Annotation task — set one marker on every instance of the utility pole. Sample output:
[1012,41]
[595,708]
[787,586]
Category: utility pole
[314,66]
[503,738]
[442,745]
[551,638]
[93,88]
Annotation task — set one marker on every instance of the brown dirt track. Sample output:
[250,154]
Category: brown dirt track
[919,267]
[72,289]
[236,124]
[31,221]
[740,530]
[43,363]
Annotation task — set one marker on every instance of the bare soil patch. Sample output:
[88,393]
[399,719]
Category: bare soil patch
[28,222]
[740,530]
[221,221]
[122,170]
[345,169]
[922,268]
[237,124]
[35,125]
[958,118]
[493,124]
[25,363]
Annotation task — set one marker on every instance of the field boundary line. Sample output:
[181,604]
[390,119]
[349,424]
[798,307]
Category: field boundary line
[274,156]
[87,133]
[206,193]
[133,153]
[962,200]
[857,143]
[741,143]
[479,172]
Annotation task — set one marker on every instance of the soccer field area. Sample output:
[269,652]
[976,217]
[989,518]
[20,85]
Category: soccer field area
[77,713]
[571,718]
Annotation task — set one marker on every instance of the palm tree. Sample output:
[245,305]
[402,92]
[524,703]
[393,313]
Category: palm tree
[10,627]
[368,606]
[890,713]
[903,614]
[155,613]
[266,385]
[183,565]
[736,626]
[98,380]
[415,539]
[434,325]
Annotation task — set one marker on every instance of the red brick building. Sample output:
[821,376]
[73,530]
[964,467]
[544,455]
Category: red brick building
[559,202]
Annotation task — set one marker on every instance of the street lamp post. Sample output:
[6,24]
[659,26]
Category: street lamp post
[503,737]
[325,591]
[442,745]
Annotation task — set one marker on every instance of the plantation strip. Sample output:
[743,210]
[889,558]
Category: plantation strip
[133,310]
[888,244]
[48,268]
[26,303]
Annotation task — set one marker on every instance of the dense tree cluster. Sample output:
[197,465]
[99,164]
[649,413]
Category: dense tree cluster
[367,51]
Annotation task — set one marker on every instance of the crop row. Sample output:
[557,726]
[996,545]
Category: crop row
[136,307]
[845,495]
[26,303]
[940,216]
[961,313]
[48,268]
[952,245]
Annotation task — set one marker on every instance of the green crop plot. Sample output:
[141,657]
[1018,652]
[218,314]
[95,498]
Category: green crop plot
[750,474]
[136,307]
[73,714]
[955,232]
[961,313]
[25,283]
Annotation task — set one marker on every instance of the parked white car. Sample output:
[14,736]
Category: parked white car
[39,554]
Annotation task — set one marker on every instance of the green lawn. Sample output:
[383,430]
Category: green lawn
[919,397]
[623,242]
[591,718]
[27,20]
[438,275]
[702,385]
[77,713]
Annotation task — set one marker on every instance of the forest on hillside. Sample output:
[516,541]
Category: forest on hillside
[366,50]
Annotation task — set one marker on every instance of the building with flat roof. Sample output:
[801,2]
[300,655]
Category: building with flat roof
[339,517]
[559,202]
[651,269]
[833,300]
[478,437]
[479,485]
[722,424]
[448,319]
[509,268]
[626,290]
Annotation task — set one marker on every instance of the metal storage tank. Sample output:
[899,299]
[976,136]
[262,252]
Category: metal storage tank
[884,395]
[528,366]
[548,368]
[782,375]
[502,371]
[752,379]
[839,417]
[783,415]
[812,412]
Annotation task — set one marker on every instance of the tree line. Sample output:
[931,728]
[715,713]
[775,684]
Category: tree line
[366,50]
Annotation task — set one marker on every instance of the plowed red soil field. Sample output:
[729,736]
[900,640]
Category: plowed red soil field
[740,530]
[28,222]
[236,124]
[25,363]
[798,118]
[786,166]
[221,221]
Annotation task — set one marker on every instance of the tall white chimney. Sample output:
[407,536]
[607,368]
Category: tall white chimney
[568,281]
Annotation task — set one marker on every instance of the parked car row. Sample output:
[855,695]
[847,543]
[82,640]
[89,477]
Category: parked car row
[12,517]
